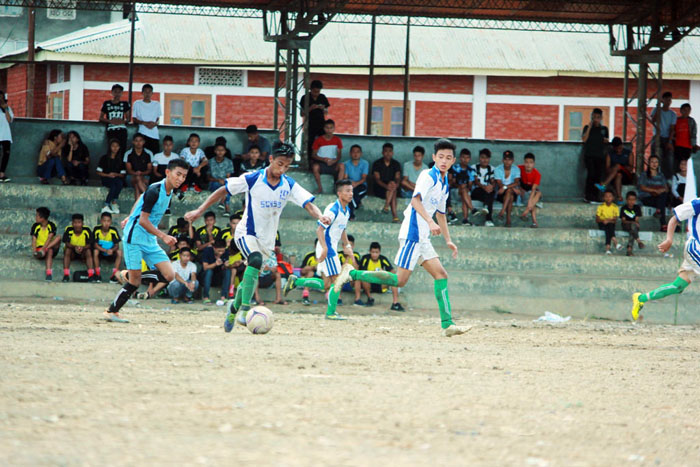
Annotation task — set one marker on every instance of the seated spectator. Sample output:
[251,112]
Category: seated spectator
[461,176]
[214,271]
[254,162]
[629,217]
[678,183]
[112,171]
[106,246]
[355,170]
[76,159]
[138,164]
[325,154]
[162,159]
[183,243]
[531,194]
[196,176]
[507,178]
[619,168]
[50,158]
[181,227]
[220,169]
[237,267]
[77,241]
[653,190]
[228,233]
[254,139]
[185,283]
[485,185]
[205,236]
[45,243]
[150,277]
[270,275]
[375,261]
[308,269]
[606,216]
[387,179]
[411,170]
[209,150]
[146,114]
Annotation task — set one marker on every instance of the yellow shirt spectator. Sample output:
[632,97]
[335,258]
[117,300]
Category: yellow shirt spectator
[608,211]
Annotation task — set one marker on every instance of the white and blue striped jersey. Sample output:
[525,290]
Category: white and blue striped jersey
[339,222]
[691,212]
[155,201]
[433,190]
[264,203]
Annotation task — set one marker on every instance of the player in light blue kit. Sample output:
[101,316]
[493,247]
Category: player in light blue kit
[267,192]
[141,235]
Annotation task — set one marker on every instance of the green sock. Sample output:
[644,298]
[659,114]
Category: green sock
[238,298]
[375,277]
[315,283]
[675,287]
[443,299]
[332,301]
[250,279]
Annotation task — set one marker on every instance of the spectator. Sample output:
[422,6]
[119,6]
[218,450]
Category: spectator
[619,167]
[198,162]
[270,275]
[411,170]
[138,164]
[183,243]
[228,233]
[116,113]
[308,269]
[254,139]
[76,159]
[653,190]
[161,160]
[106,246]
[77,241]
[255,161]
[181,228]
[326,152]
[686,135]
[112,171]
[209,150]
[353,286]
[666,121]
[214,271]
[387,178]
[356,170]
[606,216]
[205,236]
[6,118]
[595,136]
[318,108]
[50,157]
[45,243]
[220,169]
[153,279]
[146,115]
[375,261]
[185,283]
[530,188]
[507,178]
[461,176]
[629,217]
[678,184]
[484,185]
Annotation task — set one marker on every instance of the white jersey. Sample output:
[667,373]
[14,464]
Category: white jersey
[264,203]
[433,190]
[691,212]
[339,222]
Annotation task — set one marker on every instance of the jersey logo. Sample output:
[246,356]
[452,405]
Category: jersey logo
[284,194]
[434,201]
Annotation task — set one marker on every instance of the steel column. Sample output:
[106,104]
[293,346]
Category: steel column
[31,67]
[406,79]
[131,51]
[370,91]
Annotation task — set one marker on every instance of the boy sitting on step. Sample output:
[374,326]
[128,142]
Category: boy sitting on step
[78,245]
[375,261]
[45,243]
[606,216]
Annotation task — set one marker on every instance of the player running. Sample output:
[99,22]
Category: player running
[429,198]
[691,257]
[141,235]
[267,192]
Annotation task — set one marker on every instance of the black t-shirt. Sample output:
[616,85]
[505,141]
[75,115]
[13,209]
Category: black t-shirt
[202,235]
[317,116]
[110,165]
[139,163]
[595,144]
[387,173]
[80,154]
[630,214]
[117,110]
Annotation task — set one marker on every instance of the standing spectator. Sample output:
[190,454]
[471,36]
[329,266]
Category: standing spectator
[485,185]
[355,170]
[112,171]
[595,136]
[185,283]
[666,121]
[45,243]
[411,170]
[146,115]
[686,135]
[161,160]
[214,270]
[678,183]
[206,235]
[209,150]
[254,162]
[138,164]
[653,190]
[220,169]
[619,167]
[6,118]
[629,217]
[326,153]
[76,159]
[106,246]
[530,188]
[77,240]
[116,113]
[387,179]
[254,139]
[508,181]
[606,216]
[50,157]
[318,108]
[196,176]
[375,261]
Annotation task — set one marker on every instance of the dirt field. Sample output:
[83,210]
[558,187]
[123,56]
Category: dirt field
[173,388]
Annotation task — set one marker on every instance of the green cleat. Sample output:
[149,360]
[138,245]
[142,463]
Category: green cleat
[335,317]
[291,284]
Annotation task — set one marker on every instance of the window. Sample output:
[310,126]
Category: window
[188,109]
[387,118]
[220,77]
[55,110]
[60,73]
[10,11]
[61,9]
[575,118]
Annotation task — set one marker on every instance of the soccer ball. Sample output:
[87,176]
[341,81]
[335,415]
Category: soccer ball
[259,320]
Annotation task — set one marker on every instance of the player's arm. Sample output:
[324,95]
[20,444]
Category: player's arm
[442,222]
[145,222]
[666,244]
[316,213]
[347,247]
[218,196]
[321,235]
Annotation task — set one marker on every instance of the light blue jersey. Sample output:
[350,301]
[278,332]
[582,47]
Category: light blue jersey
[155,201]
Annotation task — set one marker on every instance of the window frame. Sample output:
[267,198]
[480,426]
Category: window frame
[388,105]
[585,119]
[188,99]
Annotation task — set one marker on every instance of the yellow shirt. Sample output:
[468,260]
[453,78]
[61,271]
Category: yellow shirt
[42,234]
[608,212]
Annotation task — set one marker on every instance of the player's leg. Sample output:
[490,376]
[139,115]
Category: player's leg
[67,258]
[437,271]
[331,270]
[117,264]
[132,256]
[96,263]
[88,258]
[673,288]
[51,251]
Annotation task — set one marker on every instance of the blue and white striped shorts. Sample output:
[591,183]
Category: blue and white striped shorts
[329,267]
[411,252]
[247,244]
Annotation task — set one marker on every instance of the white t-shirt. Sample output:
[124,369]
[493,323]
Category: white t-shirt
[433,189]
[339,221]
[193,159]
[5,133]
[186,272]
[162,159]
[147,112]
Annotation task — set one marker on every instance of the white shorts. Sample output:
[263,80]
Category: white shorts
[329,267]
[248,244]
[411,252]
[691,259]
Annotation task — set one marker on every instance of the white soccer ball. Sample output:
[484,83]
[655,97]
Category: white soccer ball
[259,320]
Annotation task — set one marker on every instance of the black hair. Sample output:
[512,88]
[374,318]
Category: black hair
[209,214]
[117,86]
[77,135]
[187,250]
[329,122]
[419,149]
[219,144]
[250,129]
[529,155]
[316,84]
[181,223]
[616,141]
[168,138]
[387,145]
[597,111]
[444,143]
[254,146]
[631,193]
[609,190]
[193,135]
[138,135]
[112,141]
[280,149]
[43,212]
[143,88]
[222,140]
[106,214]
[219,243]
[508,154]
[653,156]
[351,238]
[465,151]
[485,152]
[355,146]
[53,133]
[236,215]
[184,238]
[686,105]
[177,162]
[341,183]
[666,94]
[374,245]
[77,217]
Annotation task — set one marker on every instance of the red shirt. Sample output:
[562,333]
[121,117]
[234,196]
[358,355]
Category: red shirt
[327,148]
[682,132]
[529,179]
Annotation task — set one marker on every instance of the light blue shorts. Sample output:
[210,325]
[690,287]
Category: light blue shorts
[152,253]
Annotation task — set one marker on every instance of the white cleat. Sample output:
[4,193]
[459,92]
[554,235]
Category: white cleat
[343,277]
[455,330]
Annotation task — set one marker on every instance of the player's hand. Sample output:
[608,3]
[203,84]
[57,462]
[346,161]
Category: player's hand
[434,228]
[322,257]
[219,262]
[192,216]
[325,220]
[348,252]
[452,247]
[170,240]
[665,245]
[123,223]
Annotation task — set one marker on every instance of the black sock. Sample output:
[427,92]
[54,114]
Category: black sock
[122,297]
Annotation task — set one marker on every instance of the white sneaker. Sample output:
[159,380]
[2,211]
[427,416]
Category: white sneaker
[484,211]
[608,252]
[107,208]
[455,330]
[488,224]
[142,296]
[343,277]
[115,208]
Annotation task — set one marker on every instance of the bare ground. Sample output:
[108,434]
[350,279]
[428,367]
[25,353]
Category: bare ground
[173,388]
